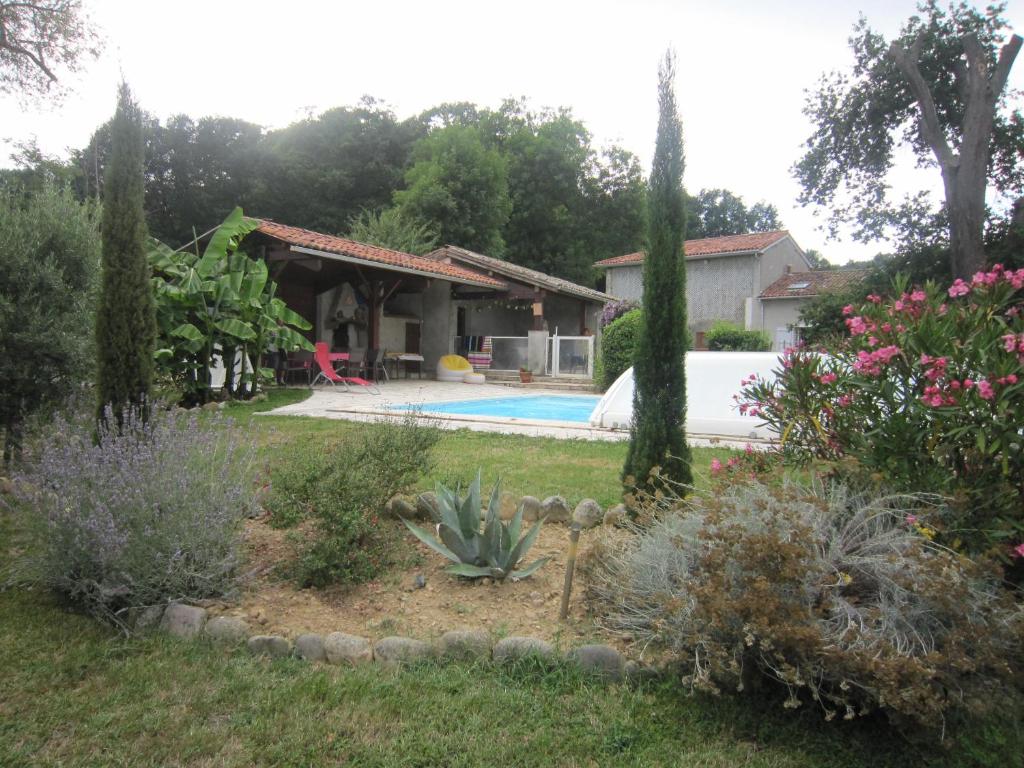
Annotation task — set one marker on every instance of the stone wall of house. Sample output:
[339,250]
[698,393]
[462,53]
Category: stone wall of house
[717,289]
[625,282]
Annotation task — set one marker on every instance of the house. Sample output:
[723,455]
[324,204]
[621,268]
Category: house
[781,301]
[725,278]
[363,296]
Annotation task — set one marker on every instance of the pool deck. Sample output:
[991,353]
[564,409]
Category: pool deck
[355,405]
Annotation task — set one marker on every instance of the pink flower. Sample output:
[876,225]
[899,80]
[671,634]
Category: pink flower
[874,298]
[911,519]
[716,466]
[968,383]
[856,325]
[918,295]
[1018,551]
[1010,342]
[959,288]
[1011,378]
[828,378]
[748,449]
[844,401]
[985,390]
[848,310]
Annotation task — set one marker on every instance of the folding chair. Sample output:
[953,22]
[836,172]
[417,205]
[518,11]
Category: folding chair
[331,376]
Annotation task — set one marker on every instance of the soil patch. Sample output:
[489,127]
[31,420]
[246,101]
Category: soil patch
[394,605]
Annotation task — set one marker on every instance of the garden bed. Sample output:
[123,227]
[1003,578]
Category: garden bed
[393,605]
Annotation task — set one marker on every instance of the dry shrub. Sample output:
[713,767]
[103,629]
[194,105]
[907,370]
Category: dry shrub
[839,596]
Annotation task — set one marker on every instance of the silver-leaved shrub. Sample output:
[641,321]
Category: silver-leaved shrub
[121,520]
[841,597]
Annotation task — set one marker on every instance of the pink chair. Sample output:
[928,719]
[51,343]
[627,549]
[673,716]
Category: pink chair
[322,357]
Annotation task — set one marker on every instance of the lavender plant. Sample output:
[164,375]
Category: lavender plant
[120,520]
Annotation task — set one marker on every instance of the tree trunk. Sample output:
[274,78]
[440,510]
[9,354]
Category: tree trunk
[965,172]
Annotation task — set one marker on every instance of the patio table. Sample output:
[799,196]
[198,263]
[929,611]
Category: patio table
[398,358]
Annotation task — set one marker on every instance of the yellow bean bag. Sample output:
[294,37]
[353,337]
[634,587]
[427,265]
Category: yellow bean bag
[453,368]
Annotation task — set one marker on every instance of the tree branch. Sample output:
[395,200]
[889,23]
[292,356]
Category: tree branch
[1007,54]
[930,127]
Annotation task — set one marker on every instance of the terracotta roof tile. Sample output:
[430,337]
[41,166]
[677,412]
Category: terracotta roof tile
[801,284]
[709,246]
[520,273]
[305,238]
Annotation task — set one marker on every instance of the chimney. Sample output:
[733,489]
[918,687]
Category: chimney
[789,269]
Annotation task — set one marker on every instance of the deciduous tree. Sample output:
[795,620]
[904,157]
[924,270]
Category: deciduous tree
[40,40]
[939,89]
[461,185]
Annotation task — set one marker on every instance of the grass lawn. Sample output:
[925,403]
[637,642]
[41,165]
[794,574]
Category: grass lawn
[74,693]
[537,466]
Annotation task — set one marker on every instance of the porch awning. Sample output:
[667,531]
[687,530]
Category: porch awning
[341,249]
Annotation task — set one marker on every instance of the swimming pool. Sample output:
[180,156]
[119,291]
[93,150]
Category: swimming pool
[541,407]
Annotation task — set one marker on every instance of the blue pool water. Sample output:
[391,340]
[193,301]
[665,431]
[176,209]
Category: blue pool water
[544,407]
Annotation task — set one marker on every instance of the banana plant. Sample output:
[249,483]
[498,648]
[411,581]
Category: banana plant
[495,550]
[220,300]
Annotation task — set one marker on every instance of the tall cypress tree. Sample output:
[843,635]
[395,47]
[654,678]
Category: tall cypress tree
[659,370]
[125,318]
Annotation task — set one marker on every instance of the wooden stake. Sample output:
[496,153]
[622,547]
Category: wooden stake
[570,566]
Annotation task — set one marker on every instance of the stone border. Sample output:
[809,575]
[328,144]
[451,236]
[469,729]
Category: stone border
[602,662]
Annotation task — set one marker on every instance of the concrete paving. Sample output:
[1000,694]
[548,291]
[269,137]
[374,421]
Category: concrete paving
[359,405]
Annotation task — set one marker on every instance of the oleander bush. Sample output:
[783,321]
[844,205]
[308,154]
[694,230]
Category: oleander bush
[339,490]
[118,520]
[729,337]
[839,596]
[927,394]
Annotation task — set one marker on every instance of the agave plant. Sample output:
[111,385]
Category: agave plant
[494,551]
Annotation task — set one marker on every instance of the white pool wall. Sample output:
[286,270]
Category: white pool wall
[712,378]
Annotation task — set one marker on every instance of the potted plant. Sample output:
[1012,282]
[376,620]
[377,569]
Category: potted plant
[525,375]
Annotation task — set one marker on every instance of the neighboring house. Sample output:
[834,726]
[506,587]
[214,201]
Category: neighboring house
[363,296]
[782,300]
[725,276]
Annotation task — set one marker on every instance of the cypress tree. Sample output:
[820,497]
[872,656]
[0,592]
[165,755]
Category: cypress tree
[658,436]
[125,317]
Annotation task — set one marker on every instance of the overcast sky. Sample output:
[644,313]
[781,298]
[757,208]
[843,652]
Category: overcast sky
[743,68]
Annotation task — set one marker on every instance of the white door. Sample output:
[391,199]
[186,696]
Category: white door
[784,337]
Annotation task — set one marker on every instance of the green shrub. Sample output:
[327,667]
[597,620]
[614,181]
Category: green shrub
[728,337]
[341,488]
[839,596]
[618,344]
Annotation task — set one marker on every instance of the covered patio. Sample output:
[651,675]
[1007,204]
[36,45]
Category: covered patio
[361,297]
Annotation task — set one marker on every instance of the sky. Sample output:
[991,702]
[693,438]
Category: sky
[743,69]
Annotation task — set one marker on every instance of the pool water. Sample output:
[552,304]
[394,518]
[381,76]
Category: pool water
[543,407]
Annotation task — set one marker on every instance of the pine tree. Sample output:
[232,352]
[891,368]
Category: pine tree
[125,319]
[658,436]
